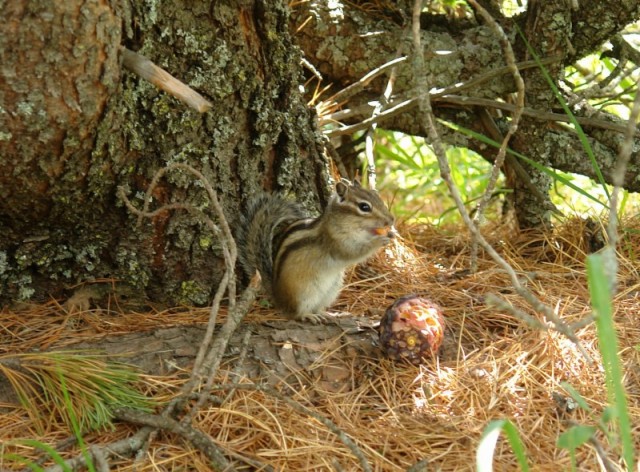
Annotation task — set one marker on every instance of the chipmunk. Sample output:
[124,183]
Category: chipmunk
[302,260]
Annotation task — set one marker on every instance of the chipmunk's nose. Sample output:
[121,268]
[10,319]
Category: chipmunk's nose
[392,233]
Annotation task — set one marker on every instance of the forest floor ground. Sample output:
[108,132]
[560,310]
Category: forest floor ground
[492,365]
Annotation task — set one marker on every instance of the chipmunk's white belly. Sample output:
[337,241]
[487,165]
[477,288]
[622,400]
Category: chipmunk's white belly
[321,289]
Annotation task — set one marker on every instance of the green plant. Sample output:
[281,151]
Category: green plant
[47,449]
[414,177]
[19,459]
[555,175]
[599,289]
[486,448]
[69,384]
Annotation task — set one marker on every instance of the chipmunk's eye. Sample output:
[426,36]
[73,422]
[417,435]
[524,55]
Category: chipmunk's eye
[365,207]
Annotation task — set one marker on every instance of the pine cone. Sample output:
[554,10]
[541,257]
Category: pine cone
[412,329]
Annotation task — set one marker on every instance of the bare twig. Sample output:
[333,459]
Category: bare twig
[226,236]
[513,127]
[244,349]
[224,283]
[203,362]
[401,105]
[196,437]
[427,121]
[208,335]
[209,355]
[531,112]
[100,460]
[305,62]
[124,447]
[217,299]
[355,88]
[420,466]
[229,248]
[337,158]
[501,304]
[369,138]
[494,133]
[396,107]
[214,357]
[618,179]
[140,65]
[449,95]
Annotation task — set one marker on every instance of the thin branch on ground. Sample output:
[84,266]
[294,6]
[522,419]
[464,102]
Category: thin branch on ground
[197,438]
[124,447]
[244,350]
[420,466]
[210,352]
[214,357]
[100,460]
[227,243]
[503,305]
[198,365]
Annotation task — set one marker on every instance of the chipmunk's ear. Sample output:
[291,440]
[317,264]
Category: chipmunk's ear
[356,183]
[342,188]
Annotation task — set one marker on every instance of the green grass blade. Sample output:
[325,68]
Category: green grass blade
[487,446]
[399,158]
[75,426]
[55,456]
[18,459]
[581,135]
[608,343]
[550,172]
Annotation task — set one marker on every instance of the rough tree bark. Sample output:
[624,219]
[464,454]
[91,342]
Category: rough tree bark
[74,125]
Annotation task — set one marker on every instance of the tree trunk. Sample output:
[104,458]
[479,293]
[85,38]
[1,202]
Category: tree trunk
[76,126]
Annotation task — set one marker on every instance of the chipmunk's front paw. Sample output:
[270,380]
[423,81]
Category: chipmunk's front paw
[314,318]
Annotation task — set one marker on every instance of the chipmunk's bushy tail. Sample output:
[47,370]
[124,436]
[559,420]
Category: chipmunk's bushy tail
[264,220]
